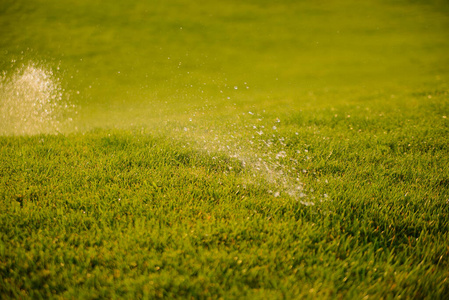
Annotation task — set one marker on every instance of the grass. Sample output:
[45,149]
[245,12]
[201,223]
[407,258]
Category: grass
[328,177]
[127,214]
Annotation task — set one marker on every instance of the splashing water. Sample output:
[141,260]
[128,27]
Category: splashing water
[263,151]
[32,102]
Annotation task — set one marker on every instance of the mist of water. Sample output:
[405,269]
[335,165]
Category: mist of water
[262,150]
[32,101]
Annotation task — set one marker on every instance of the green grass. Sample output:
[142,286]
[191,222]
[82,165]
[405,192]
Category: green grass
[328,177]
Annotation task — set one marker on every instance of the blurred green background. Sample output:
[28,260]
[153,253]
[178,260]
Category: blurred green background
[134,62]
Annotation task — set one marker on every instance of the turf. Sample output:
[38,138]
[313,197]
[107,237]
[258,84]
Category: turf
[245,150]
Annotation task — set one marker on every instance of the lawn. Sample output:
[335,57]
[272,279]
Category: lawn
[238,149]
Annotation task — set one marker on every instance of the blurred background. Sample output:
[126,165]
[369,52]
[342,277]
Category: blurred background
[137,62]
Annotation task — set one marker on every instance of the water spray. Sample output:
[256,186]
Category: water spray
[32,101]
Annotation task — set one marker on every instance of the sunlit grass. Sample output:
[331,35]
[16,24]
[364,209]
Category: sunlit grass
[235,150]
[129,213]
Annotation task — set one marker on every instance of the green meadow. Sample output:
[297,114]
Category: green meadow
[224,149]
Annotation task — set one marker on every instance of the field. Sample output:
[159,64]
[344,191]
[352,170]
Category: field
[238,149]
